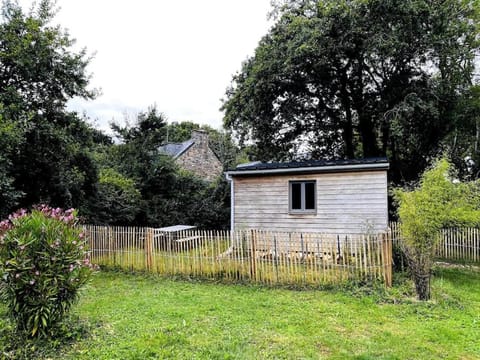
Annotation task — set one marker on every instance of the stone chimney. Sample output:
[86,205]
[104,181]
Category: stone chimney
[200,137]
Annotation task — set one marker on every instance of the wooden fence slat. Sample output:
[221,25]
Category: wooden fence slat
[476,249]
[387,255]
[264,256]
[148,250]
[457,244]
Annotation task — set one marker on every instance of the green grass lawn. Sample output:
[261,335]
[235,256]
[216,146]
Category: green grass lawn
[140,317]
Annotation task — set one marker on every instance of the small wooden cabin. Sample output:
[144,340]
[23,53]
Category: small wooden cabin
[335,197]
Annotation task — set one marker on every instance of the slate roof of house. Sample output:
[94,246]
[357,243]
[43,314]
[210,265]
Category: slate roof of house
[176,149]
[378,163]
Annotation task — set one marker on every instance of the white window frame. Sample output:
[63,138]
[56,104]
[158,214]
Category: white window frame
[302,197]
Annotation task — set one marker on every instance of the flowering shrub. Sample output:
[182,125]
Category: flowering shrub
[43,264]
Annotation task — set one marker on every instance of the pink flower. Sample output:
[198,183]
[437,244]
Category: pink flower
[67,219]
[5,225]
[32,282]
[17,215]
[37,273]
[17,276]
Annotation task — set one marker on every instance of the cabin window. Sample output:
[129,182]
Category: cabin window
[303,197]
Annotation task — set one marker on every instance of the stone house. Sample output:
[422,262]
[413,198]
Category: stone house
[195,155]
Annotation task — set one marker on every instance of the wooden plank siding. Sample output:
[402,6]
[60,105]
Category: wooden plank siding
[346,203]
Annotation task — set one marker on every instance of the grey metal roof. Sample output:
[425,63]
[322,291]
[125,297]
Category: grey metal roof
[176,149]
[259,168]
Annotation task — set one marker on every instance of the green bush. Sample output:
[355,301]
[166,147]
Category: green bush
[439,201]
[43,264]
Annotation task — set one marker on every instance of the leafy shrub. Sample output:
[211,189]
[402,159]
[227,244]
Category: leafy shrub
[439,201]
[43,264]
[400,261]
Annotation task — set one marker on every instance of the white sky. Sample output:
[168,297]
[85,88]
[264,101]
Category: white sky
[178,54]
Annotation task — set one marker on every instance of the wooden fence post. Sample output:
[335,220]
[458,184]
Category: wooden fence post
[111,253]
[387,258]
[148,249]
[253,250]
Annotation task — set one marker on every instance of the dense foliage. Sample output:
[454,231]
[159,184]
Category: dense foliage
[348,78]
[46,151]
[43,264]
[50,155]
[166,195]
[438,202]
[9,138]
[362,78]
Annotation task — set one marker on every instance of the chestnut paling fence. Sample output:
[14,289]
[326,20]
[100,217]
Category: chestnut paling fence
[250,256]
[454,244]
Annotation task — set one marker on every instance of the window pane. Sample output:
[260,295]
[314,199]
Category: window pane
[309,196]
[296,196]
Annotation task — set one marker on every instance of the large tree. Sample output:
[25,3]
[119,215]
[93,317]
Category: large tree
[39,71]
[51,158]
[357,78]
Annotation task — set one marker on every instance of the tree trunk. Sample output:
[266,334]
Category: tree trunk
[366,126]
[422,285]
[367,133]
[347,133]
[420,261]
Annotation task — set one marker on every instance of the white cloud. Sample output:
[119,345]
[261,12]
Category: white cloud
[180,55]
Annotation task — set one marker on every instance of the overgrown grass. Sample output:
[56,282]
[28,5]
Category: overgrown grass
[147,317]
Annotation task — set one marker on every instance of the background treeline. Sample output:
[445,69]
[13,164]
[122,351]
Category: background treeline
[50,155]
[364,78]
[330,79]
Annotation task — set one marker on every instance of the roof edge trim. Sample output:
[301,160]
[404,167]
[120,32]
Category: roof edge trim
[316,169]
